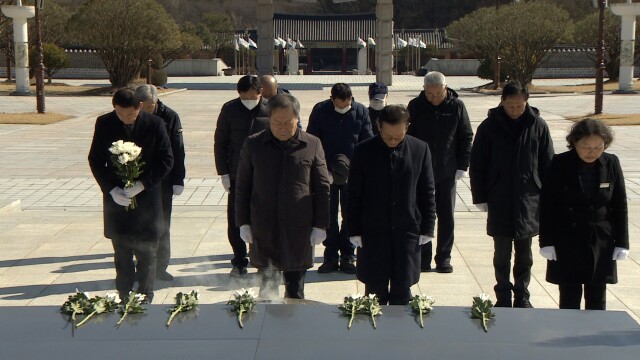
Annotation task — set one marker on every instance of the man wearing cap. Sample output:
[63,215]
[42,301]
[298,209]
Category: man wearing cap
[377,101]
[340,122]
[391,207]
[440,119]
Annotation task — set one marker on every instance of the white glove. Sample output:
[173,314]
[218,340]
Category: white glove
[226,182]
[317,236]
[245,234]
[620,253]
[119,197]
[356,241]
[178,189]
[549,253]
[134,190]
[482,207]
[424,239]
[460,174]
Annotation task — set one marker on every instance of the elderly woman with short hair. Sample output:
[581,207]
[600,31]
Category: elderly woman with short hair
[583,217]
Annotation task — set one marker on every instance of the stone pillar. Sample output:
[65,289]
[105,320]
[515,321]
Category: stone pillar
[362,61]
[628,12]
[292,67]
[264,61]
[384,41]
[20,14]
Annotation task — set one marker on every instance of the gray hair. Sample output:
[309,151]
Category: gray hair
[284,101]
[147,92]
[434,78]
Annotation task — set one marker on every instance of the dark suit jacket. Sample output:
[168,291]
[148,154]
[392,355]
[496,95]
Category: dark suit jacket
[391,203]
[583,229]
[144,222]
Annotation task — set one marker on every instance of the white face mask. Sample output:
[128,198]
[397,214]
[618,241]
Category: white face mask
[377,104]
[250,104]
[342,111]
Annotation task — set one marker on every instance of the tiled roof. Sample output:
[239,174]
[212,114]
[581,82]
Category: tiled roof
[330,28]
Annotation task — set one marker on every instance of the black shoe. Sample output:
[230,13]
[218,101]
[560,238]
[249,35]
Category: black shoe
[347,266]
[503,303]
[444,269]
[328,267]
[426,268]
[522,303]
[238,271]
[164,276]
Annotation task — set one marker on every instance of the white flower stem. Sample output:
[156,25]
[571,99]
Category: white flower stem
[484,322]
[240,317]
[353,314]
[85,319]
[173,314]
[421,321]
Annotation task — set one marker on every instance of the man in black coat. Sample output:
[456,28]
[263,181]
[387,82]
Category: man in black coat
[440,119]
[172,184]
[340,123]
[133,232]
[391,207]
[238,119]
[510,155]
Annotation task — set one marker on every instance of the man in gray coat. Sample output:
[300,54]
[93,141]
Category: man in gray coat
[282,198]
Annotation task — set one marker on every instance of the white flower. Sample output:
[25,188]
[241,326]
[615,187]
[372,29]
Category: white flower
[140,297]
[483,297]
[123,158]
[113,297]
[355,296]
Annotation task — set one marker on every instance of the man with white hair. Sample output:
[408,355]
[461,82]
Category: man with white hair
[440,119]
[173,183]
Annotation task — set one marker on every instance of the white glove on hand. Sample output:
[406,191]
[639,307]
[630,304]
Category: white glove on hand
[317,236]
[245,234]
[482,207]
[620,253]
[177,189]
[134,190]
[119,197]
[549,253]
[356,241]
[460,174]
[424,239]
[226,182]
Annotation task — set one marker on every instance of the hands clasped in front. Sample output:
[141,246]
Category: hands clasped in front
[357,240]
[316,238]
[549,253]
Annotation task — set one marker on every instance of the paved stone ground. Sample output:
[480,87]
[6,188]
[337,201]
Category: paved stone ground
[55,243]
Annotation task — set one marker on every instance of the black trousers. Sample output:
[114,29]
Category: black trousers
[164,243]
[337,236]
[523,260]
[145,254]
[389,293]
[233,232]
[445,206]
[595,296]
[293,283]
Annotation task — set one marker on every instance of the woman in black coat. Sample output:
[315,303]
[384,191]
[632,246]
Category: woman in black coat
[583,217]
[391,207]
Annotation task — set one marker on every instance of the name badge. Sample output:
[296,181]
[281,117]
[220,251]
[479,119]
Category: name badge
[604,185]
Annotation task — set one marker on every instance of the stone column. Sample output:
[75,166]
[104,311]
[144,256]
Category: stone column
[628,12]
[384,41]
[362,61]
[20,14]
[264,61]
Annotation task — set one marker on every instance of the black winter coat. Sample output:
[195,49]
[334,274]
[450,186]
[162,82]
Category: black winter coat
[447,130]
[391,203]
[282,192]
[145,222]
[233,128]
[507,169]
[584,229]
[174,130]
[339,133]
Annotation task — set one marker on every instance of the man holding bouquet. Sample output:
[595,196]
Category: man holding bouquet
[132,197]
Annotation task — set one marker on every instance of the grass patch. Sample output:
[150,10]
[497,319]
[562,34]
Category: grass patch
[62,89]
[32,118]
[611,119]
[564,89]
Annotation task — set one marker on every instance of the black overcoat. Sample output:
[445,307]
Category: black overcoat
[282,192]
[174,130]
[145,221]
[506,171]
[583,229]
[391,203]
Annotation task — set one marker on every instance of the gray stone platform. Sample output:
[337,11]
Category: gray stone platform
[55,243]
